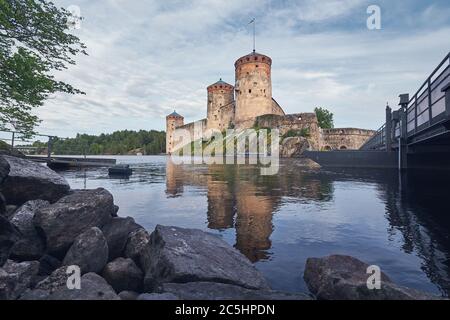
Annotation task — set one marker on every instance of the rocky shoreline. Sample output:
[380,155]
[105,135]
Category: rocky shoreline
[46,228]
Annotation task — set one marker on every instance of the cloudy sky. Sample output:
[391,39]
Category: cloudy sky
[149,57]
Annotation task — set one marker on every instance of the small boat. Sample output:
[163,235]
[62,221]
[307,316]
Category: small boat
[120,169]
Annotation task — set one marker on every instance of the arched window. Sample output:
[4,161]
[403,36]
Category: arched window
[343,148]
[327,148]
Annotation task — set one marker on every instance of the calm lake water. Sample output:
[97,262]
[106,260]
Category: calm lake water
[401,223]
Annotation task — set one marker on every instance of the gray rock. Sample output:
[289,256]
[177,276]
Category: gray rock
[48,264]
[93,287]
[116,211]
[4,169]
[89,251]
[222,291]
[137,247]
[116,233]
[28,180]
[158,296]
[31,245]
[35,294]
[3,211]
[8,237]
[128,295]
[10,210]
[6,150]
[66,219]
[123,274]
[187,255]
[339,277]
[57,279]
[16,278]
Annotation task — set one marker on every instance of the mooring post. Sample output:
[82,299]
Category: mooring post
[49,147]
[12,140]
[403,139]
[388,128]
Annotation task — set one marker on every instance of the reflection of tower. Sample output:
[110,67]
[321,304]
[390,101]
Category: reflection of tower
[174,181]
[173,121]
[253,223]
[253,88]
[221,205]
[220,105]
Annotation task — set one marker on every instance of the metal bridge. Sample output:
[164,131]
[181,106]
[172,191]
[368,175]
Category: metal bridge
[423,119]
[417,135]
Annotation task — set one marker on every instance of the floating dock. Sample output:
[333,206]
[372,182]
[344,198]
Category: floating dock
[73,162]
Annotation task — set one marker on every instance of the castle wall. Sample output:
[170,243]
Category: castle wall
[253,89]
[276,108]
[195,129]
[297,122]
[345,138]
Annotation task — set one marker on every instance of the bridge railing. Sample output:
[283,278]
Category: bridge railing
[377,141]
[426,108]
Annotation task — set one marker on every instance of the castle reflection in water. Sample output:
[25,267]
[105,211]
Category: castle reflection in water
[238,197]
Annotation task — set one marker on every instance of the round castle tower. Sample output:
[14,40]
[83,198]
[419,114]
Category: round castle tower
[173,121]
[220,105]
[253,88]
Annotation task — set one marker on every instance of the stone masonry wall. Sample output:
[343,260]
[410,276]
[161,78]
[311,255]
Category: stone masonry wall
[345,138]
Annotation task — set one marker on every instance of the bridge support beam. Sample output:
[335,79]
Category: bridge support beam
[403,139]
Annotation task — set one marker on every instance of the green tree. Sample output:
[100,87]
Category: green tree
[325,118]
[35,42]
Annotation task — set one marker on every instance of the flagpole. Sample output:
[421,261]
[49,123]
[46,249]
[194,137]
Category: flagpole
[254,35]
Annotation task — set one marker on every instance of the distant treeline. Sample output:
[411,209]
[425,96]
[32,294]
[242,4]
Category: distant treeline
[117,143]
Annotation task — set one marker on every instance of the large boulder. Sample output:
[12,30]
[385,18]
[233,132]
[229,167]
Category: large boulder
[4,169]
[89,251]
[3,210]
[123,275]
[294,147]
[48,264]
[56,280]
[93,287]
[31,245]
[6,150]
[136,248]
[116,233]
[73,214]
[340,277]
[158,296]
[28,180]
[16,278]
[222,291]
[186,255]
[8,237]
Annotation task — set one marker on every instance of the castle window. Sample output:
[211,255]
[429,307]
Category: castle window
[256,58]
[249,90]
[248,59]
[257,66]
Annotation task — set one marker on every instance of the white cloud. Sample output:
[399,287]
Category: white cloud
[150,57]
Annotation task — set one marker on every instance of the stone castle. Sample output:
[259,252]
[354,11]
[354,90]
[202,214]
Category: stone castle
[249,103]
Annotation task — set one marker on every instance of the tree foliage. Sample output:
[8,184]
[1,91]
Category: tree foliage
[35,41]
[325,118]
[117,143]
